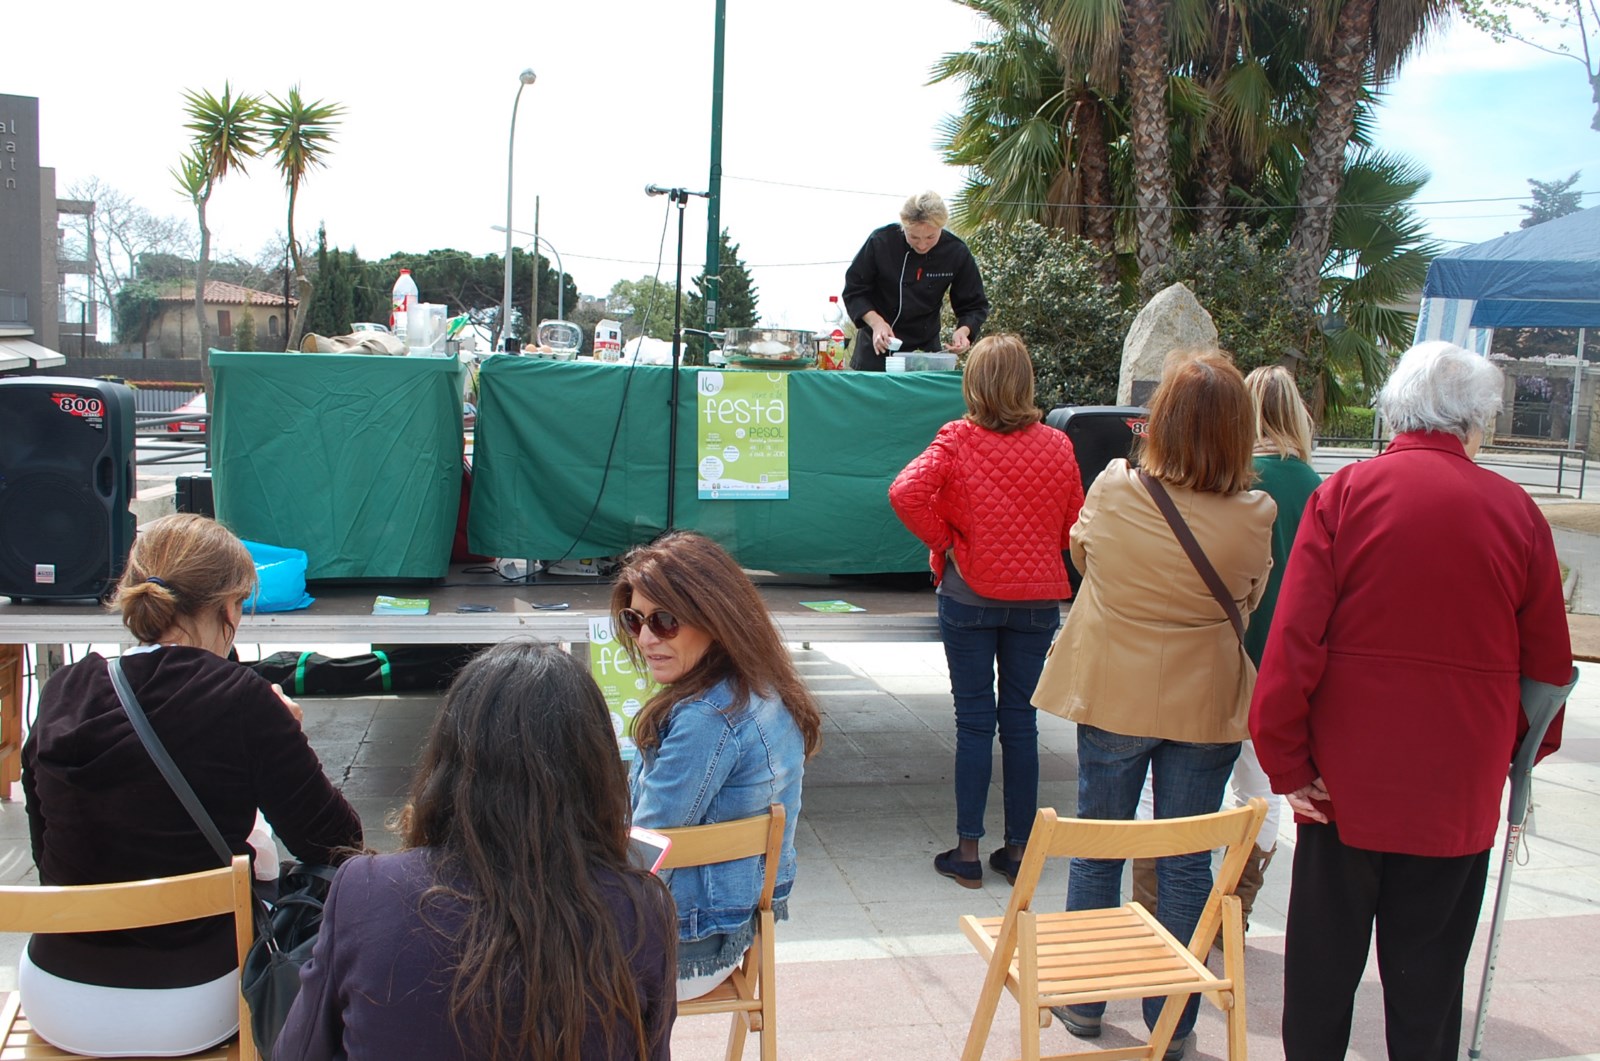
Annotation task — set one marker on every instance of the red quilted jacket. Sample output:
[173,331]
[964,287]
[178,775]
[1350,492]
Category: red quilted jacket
[1003,502]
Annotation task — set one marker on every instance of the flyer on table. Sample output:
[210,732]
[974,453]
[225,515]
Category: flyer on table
[743,433]
[625,689]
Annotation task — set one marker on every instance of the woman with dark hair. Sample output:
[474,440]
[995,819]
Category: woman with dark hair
[510,924]
[727,735]
[993,498]
[1149,663]
[100,811]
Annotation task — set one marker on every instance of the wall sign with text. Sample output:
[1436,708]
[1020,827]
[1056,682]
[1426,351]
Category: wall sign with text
[742,427]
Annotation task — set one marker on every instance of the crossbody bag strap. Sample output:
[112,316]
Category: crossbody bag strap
[1197,555]
[164,763]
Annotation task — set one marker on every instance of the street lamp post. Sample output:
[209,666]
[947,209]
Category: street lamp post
[561,270]
[526,78]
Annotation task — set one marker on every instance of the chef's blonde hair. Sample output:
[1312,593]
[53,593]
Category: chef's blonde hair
[925,208]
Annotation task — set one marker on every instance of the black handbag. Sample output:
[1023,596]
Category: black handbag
[285,932]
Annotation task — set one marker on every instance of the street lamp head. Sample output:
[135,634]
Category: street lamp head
[528,77]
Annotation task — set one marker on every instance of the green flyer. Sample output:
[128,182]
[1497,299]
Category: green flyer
[743,435]
[625,689]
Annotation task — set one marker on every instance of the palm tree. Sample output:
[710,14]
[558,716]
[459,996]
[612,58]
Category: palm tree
[224,134]
[1352,41]
[300,136]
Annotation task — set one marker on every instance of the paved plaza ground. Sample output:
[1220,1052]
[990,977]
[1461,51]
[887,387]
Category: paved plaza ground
[871,963]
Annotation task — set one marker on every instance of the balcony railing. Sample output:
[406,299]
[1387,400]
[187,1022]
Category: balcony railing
[13,310]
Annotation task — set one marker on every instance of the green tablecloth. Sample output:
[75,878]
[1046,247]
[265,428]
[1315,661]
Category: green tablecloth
[545,434]
[354,458]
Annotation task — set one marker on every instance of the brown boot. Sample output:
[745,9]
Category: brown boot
[1250,880]
[1144,883]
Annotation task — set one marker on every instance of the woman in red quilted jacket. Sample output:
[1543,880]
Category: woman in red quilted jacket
[993,497]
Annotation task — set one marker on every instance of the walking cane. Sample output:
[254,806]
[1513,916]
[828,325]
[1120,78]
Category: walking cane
[1540,702]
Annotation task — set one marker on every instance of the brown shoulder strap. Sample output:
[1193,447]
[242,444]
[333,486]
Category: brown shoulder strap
[1197,555]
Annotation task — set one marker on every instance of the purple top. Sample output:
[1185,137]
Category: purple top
[378,982]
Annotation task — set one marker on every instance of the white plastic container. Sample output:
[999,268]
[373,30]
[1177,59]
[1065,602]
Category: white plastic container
[894,363]
[402,299]
[608,340]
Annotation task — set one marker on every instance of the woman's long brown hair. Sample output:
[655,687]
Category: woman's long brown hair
[522,796]
[692,577]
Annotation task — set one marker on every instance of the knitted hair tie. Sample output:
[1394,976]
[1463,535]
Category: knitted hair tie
[158,581]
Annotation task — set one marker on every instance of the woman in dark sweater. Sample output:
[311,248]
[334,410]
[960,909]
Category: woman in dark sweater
[511,924]
[99,811]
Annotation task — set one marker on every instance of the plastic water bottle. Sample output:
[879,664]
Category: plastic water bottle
[403,299]
[833,333]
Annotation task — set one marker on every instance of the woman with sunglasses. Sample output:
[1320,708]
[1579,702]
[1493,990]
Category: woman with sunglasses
[727,735]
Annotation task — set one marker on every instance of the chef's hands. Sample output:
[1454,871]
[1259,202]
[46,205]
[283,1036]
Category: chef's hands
[960,341]
[294,708]
[1301,799]
[881,333]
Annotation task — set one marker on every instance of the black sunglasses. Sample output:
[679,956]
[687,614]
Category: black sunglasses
[661,623]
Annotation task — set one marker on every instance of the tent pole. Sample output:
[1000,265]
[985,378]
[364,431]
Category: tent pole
[1577,386]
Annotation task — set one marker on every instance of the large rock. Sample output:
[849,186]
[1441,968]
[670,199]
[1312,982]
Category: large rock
[1173,320]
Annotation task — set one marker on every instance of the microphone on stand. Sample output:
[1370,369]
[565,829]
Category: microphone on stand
[656,189]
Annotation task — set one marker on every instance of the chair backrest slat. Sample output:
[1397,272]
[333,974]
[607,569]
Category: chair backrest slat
[704,845]
[109,907]
[1093,838]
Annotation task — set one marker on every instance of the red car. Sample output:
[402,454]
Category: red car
[195,406]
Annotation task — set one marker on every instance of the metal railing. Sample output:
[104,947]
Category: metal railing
[185,446]
[1527,466]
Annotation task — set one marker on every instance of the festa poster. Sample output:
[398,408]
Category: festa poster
[742,429]
[624,688]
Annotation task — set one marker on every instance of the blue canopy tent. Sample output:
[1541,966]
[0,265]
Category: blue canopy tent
[1547,276]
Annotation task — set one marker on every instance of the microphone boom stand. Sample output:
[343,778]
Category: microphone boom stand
[679,196]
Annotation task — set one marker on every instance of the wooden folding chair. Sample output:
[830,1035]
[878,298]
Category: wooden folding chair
[748,992]
[1069,958]
[134,904]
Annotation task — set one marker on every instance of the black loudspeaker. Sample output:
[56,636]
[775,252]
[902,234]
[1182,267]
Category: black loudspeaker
[194,494]
[1099,435]
[66,477]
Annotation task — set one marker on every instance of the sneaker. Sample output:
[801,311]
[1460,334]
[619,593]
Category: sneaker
[1178,1047]
[1006,867]
[966,874]
[1083,1025]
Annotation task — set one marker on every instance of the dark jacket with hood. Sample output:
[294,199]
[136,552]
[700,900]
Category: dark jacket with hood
[907,288]
[99,811]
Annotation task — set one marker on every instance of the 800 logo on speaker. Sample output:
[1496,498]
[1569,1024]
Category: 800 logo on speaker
[86,406]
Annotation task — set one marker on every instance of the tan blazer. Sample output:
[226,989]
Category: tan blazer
[1146,650]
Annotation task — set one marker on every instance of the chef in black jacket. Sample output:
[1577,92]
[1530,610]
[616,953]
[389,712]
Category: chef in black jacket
[894,288]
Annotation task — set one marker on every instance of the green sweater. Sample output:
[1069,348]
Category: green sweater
[1290,482]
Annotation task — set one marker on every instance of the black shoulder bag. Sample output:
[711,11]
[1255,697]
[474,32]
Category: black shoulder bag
[1197,555]
[285,934]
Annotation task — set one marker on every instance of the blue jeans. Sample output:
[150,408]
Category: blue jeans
[975,639]
[1188,779]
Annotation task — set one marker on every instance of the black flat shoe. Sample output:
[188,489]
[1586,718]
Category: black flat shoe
[966,874]
[1006,867]
[1083,1025]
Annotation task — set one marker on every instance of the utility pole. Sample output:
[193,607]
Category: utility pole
[533,310]
[714,184]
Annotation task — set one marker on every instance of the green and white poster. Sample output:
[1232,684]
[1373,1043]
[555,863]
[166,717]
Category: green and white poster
[743,435]
[624,687]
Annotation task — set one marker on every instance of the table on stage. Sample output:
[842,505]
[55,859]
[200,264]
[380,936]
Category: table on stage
[570,460]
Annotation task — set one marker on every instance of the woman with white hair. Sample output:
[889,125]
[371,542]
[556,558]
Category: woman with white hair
[895,286]
[1419,589]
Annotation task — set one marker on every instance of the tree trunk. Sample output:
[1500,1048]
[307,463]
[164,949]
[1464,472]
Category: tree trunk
[1340,69]
[1152,166]
[292,331]
[201,268]
[1094,181]
[1216,170]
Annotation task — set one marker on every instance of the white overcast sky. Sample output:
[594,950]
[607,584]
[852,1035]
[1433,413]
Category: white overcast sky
[829,122]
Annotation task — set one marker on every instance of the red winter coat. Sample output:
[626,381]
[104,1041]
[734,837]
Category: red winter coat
[1003,502]
[1420,587]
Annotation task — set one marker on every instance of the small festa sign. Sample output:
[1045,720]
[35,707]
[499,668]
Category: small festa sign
[624,688]
[742,423]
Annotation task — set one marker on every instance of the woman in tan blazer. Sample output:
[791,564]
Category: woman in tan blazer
[1148,663]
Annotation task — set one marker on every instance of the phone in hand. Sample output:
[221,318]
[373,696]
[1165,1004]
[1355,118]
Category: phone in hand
[647,849]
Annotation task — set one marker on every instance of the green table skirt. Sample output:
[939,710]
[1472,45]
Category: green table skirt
[354,458]
[549,481]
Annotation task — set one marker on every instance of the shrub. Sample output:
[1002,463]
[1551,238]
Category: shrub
[1352,421]
[1046,288]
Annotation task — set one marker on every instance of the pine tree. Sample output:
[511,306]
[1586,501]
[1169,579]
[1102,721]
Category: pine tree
[737,301]
[1552,199]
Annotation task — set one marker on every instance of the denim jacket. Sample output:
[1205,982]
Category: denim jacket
[715,765]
